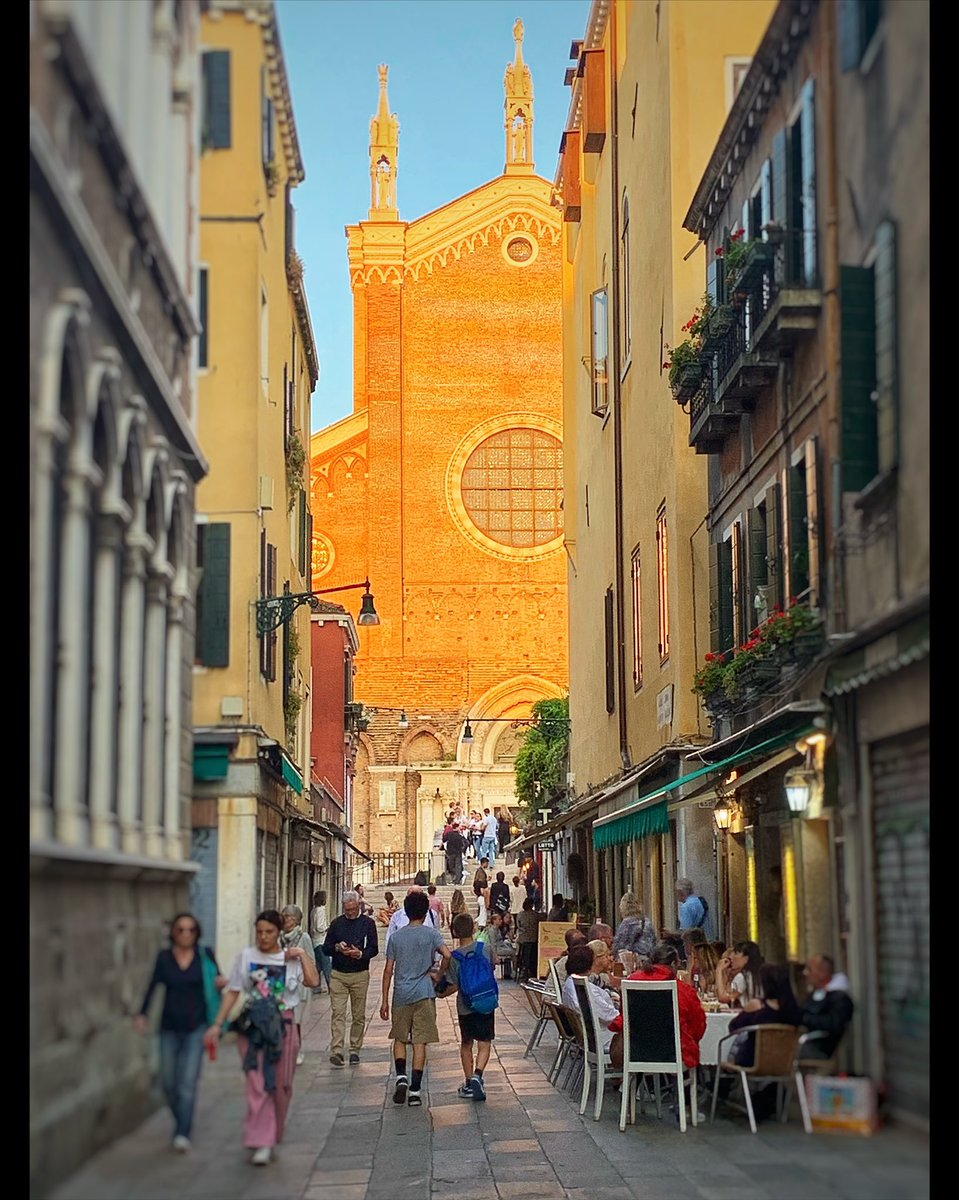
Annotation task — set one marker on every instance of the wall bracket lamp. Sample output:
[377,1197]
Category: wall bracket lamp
[274,611]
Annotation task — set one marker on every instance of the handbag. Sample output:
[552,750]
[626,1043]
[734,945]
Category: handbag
[211,993]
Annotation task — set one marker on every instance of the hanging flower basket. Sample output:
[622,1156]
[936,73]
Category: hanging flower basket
[687,382]
[718,324]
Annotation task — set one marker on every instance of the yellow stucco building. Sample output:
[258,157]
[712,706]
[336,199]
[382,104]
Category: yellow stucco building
[257,370]
[651,85]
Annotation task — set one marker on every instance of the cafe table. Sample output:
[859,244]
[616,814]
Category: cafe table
[717,1026]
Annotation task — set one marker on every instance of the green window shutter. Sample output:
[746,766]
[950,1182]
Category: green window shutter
[757,575]
[272,638]
[860,458]
[720,597]
[216,100]
[716,281]
[798,532]
[887,366]
[203,303]
[807,124]
[213,635]
[814,520]
[774,548]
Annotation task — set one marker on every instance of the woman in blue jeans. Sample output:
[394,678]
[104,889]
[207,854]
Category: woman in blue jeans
[192,983]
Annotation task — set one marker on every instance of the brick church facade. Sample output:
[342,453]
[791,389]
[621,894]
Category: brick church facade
[444,485]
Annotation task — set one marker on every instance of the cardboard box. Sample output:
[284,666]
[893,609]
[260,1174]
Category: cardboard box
[842,1104]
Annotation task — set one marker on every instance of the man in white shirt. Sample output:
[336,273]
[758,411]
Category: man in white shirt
[399,918]
[490,828]
[579,961]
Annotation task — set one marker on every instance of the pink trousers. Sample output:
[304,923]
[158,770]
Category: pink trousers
[266,1111]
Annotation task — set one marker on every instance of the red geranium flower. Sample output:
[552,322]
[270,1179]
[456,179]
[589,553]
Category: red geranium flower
[720,252]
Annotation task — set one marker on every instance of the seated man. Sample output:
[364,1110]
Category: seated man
[572,937]
[580,962]
[502,947]
[828,1006]
[599,929]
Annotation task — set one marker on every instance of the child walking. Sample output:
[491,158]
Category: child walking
[475,1027]
[410,953]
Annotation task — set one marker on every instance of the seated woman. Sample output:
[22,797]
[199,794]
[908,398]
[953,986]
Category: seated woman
[387,909]
[559,910]
[503,948]
[602,970]
[580,962]
[737,975]
[701,959]
[777,1007]
[663,963]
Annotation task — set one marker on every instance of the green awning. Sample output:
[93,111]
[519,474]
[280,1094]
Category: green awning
[619,828]
[632,827]
[291,775]
[210,761]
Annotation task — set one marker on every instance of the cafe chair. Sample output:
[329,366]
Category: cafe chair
[774,1061]
[534,998]
[652,1046]
[804,1066]
[576,1060]
[566,1041]
[596,1059]
[554,981]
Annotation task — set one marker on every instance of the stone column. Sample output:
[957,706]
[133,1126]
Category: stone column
[154,710]
[172,749]
[129,778]
[71,820]
[41,651]
[103,708]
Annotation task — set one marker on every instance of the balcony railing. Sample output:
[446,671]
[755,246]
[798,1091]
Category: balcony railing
[385,869]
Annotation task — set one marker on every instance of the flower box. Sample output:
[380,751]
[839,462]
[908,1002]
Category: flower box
[758,258]
[718,324]
[687,382]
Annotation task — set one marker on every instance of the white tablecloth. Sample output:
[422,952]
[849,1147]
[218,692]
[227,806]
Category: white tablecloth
[717,1025]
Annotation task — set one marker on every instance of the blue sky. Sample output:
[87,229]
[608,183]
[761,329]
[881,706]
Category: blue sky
[447,59]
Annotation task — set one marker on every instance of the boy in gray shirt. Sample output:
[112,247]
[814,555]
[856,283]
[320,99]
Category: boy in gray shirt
[410,955]
[474,1026]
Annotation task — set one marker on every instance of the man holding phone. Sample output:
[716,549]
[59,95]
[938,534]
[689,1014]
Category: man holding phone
[350,942]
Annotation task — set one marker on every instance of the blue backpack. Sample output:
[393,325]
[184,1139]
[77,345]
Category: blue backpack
[477,981]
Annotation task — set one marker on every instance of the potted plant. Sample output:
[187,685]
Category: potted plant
[745,258]
[717,326]
[685,359]
[708,680]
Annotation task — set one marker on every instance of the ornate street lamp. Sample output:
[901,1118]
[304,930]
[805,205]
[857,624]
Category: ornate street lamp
[274,611]
[722,814]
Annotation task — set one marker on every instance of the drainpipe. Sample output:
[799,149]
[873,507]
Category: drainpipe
[836,537]
[617,403]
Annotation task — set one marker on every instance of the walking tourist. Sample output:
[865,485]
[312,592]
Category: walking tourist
[477,1028]
[191,983]
[350,942]
[499,898]
[504,830]
[271,979]
[527,938]
[490,827]
[319,924]
[437,907]
[517,894]
[295,935]
[400,919]
[454,845]
[457,904]
[410,956]
[534,883]
[482,905]
[480,875]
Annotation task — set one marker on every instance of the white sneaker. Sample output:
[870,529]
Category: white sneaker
[300,1059]
[181,1143]
[261,1156]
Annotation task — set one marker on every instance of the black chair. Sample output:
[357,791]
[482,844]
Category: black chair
[596,1058]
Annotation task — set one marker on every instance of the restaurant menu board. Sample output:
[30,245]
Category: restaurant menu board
[552,942]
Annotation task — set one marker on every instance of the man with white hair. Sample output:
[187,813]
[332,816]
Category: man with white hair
[400,918]
[350,942]
[692,910]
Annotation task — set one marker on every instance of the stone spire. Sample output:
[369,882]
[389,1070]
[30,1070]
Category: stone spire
[384,155]
[519,111]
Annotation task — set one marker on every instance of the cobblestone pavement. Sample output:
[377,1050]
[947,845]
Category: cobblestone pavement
[346,1140]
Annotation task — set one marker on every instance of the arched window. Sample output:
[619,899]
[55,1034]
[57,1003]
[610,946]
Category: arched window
[513,487]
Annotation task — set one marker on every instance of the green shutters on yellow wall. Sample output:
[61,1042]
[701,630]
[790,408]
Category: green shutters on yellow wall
[213,602]
[216,100]
[721,596]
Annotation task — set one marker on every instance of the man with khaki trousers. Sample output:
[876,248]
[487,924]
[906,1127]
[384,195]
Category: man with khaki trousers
[350,942]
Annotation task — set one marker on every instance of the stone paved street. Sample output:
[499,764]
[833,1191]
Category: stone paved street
[345,1139]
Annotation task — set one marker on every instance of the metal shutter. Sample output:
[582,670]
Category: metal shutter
[900,774]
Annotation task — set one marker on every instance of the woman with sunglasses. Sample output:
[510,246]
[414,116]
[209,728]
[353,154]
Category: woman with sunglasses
[192,982]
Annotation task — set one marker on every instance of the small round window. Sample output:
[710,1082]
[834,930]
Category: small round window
[520,250]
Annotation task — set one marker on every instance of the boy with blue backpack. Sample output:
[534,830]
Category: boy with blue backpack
[469,973]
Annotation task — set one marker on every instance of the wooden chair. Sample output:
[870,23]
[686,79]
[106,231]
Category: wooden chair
[534,998]
[596,1057]
[566,1043]
[774,1061]
[573,1078]
[652,1046]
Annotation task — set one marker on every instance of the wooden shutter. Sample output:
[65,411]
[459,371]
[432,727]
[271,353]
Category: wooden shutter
[814,521]
[271,638]
[787,537]
[213,636]
[798,532]
[774,548]
[781,189]
[720,597]
[610,663]
[216,100]
[887,364]
[807,126]
[860,458]
[850,33]
[757,573]
[203,348]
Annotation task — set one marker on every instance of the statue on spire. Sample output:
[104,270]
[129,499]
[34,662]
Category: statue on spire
[519,110]
[384,155]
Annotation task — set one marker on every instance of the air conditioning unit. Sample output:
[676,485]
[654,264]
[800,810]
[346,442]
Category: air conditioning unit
[266,491]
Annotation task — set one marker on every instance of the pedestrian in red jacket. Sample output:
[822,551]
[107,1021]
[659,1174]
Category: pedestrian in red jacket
[663,962]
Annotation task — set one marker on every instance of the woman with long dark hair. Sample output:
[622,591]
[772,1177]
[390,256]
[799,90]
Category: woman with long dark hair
[271,980]
[737,975]
[778,1006]
[191,981]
